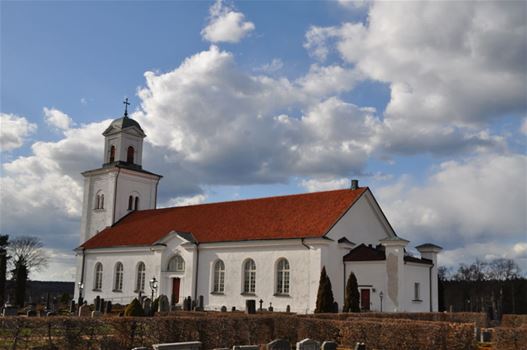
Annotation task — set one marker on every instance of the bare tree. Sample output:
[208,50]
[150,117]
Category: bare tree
[26,255]
[503,270]
[27,250]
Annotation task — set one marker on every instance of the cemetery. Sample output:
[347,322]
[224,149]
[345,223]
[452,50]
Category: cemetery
[154,324]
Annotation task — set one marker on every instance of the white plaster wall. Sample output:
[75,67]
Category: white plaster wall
[136,184]
[304,271]
[95,220]
[331,258]
[362,223]
[109,257]
[187,252]
[371,275]
[416,273]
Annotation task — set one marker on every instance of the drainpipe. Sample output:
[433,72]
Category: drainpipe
[344,283]
[430,285]
[115,195]
[82,276]
[196,272]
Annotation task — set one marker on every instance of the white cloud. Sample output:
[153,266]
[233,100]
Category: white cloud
[275,65]
[184,201]
[462,201]
[447,81]
[225,24]
[57,118]
[523,128]
[13,130]
[325,184]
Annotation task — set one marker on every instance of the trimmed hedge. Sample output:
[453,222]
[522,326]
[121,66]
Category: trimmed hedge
[509,338]
[479,318]
[514,321]
[224,332]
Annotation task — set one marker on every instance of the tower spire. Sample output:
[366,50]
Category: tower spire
[126,104]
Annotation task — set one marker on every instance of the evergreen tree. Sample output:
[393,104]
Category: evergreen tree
[4,241]
[20,275]
[325,294]
[134,309]
[351,299]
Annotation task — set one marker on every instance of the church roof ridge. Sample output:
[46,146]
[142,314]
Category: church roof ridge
[306,215]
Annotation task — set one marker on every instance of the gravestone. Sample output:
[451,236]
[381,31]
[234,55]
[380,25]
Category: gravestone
[486,335]
[233,308]
[95,314]
[84,310]
[201,303]
[31,313]
[192,304]
[164,305]
[101,305]
[224,308]
[96,302]
[189,345]
[72,307]
[329,345]
[261,303]
[278,344]
[246,347]
[250,306]
[9,310]
[288,308]
[360,346]
[147,306]
[186,304]
[308,344]
[270,307]
[108,308]
[51,313]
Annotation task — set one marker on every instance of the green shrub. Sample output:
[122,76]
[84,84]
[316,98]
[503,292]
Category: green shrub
[325,294]
[351,302]
[134,309]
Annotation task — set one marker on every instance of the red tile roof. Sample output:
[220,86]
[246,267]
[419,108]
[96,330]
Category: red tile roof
[294,216]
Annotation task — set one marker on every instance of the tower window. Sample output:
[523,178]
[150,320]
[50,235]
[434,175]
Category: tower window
[136,206]
[130,202]
[112,154]
[130,155]
[101,204]
[99,201]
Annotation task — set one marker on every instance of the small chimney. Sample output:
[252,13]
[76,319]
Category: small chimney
[354,184]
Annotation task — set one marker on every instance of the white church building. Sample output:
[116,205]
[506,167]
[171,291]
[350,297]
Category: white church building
[271,249]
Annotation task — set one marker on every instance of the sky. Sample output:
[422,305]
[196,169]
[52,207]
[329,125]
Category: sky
[424,102]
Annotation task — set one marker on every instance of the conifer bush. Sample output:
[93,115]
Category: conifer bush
[325,298]
[352,297]
[134,309]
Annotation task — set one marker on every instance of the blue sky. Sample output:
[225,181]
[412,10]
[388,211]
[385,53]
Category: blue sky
[252,98]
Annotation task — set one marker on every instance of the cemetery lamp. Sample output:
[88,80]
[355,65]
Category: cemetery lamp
[380,296]
[153,286]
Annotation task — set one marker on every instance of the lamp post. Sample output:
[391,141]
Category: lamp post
[153,286]
[81,287]
[380,296]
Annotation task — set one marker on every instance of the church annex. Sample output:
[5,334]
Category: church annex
[271,249]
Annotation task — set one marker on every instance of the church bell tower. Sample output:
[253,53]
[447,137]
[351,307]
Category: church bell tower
[121,185]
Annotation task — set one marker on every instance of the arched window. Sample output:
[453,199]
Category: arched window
[97,202]
[130,155]
[141,275]
[130,202]
[118,283]
[136,204]
[112,153]
[101,203]
[97,281]
[282,275]
[219,277]
[176,264]
[249,276]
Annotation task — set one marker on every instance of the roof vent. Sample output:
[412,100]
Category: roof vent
[354,184]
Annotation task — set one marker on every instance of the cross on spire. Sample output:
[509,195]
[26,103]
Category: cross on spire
[126,104]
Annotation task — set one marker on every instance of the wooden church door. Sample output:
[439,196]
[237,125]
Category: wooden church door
[175,290]
[365,299]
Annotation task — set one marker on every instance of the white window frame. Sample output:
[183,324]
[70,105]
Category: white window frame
[219,277]
[176,264]
[98,274]
[140,277]
[249,277]
[119,275]
[283,277]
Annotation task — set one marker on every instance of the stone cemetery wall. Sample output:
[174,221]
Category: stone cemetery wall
[231,329]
